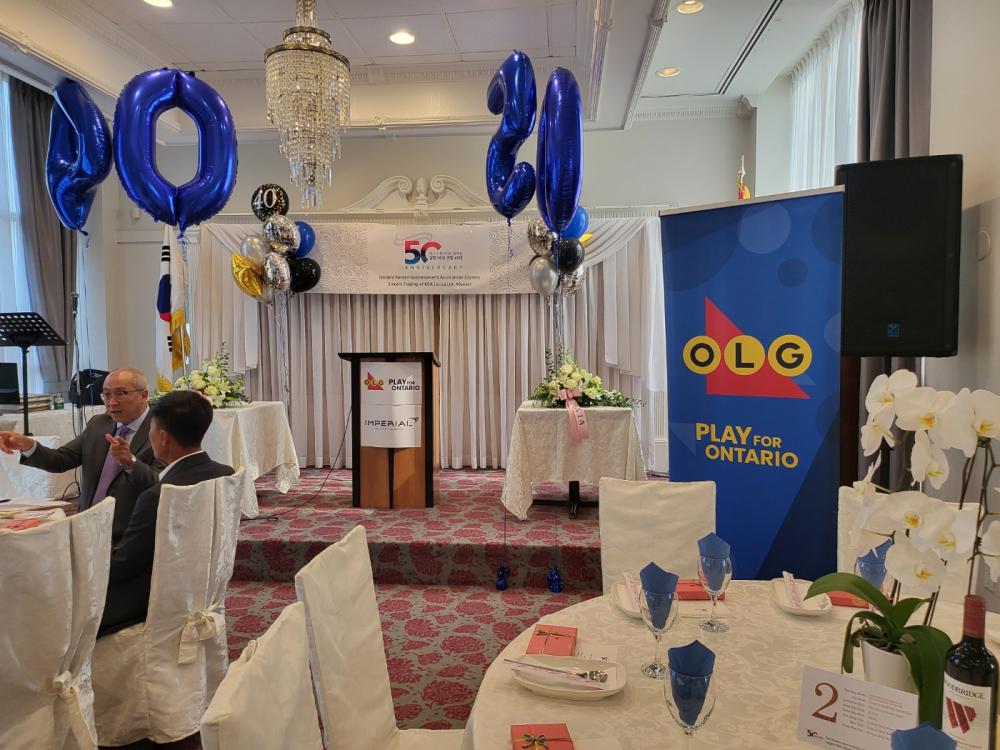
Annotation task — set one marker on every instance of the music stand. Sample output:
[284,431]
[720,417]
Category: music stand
[24,330]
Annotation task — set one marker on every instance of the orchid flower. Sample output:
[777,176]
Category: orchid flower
[986,413]
[911,509]
[885,388]
[989,548]
[919,410]
[918,570]
[875,430]
[958,424]
[872,526]
[949,533]
[928,461]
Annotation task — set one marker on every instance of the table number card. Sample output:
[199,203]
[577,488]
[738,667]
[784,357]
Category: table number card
[838,711]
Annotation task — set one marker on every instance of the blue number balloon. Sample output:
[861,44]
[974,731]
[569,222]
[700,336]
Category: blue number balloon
[512,91]
[142,101]
[307,238]
[577,225]
[560,151]
[79,157]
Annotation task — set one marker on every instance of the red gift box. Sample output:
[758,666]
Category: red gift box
[843,599]
[536,736]
[552,640]
[690,589]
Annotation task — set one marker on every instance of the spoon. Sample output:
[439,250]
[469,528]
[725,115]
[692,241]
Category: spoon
[593,675]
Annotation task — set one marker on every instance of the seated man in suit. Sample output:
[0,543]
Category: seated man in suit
[113,450]
[179,421]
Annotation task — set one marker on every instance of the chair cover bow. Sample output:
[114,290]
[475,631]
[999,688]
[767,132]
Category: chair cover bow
[65,687]
[200,626]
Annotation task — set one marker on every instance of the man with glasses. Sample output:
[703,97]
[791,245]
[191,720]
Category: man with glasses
[113,451]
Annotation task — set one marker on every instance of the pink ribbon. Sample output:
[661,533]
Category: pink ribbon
[578,429]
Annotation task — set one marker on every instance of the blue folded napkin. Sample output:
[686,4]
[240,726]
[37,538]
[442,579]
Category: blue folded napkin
[690,665]
[871,565]
[924,737]
[713,545]
[657,585]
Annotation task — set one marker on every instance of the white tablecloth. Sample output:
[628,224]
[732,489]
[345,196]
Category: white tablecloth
[256,437]
[541,451]
[758,675]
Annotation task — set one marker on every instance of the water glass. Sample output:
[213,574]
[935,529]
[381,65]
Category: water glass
[715,574]
[690,701]
[659,612]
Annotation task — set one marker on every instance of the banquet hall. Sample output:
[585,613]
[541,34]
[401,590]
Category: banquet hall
[525,373]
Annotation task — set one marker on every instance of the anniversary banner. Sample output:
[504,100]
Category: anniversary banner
[753,368]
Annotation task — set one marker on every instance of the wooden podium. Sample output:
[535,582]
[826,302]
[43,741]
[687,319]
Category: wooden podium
[393,428]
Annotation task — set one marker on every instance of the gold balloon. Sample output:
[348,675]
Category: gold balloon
[585,238]
[246,276]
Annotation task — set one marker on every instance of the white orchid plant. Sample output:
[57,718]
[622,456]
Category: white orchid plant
[213,381]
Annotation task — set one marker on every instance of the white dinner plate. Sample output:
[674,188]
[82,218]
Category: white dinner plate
[621,597]
[536,683]
[817,605]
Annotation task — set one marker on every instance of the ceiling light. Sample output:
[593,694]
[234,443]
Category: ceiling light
[668,72]
[690,6]
[160,3]
[402,37]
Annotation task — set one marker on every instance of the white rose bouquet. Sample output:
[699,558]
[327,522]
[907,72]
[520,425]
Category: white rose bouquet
[213,381]
[568,375]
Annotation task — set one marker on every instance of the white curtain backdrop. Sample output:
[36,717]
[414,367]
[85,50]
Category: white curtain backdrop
[825,102]
[492,347]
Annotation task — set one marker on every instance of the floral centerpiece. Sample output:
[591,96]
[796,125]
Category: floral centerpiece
[916,537]
[213,381]
[566,377]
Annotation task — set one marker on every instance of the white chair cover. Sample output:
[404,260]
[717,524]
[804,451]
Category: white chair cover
[154,680]
[53,581]
[643,522]
[347,656]
[266,699]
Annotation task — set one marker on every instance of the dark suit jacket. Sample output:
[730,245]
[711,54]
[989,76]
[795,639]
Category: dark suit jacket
[132,557]
[88,451]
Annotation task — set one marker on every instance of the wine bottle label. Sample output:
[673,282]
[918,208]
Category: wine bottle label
[966,714]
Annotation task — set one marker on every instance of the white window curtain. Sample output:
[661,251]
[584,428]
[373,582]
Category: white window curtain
[13,277]
[825,103]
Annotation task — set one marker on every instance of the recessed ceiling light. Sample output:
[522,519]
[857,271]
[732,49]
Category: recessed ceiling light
[402,37]
[160,3]
[690,6]
[668,72]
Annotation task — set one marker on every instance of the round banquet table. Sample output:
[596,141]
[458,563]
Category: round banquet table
[758,675]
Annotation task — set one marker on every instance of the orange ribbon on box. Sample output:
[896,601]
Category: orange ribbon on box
[548,736]
[578,429]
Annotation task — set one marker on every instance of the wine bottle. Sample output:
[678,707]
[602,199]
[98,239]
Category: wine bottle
[969,714]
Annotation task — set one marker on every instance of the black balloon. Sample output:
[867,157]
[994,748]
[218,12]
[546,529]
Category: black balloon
[569,254]
[305,273]
[269,200]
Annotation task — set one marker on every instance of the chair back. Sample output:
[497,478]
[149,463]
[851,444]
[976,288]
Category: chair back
[655,521]
[266,699]
[345,646]
[53,582]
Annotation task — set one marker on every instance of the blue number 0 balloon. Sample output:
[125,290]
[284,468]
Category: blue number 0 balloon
[142,101]
[79,157]
[512,91]
[560,151]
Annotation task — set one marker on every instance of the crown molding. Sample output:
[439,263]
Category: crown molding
[690,112]
[656,21]
[603,23]
[400,194]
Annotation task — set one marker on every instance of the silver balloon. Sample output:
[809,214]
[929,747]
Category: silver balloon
[540,238]
[277,274]
[570,282]
[543,274]
[281,233]
[254,248]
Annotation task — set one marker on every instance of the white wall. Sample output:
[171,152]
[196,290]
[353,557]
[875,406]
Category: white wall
[772,125]
[683,162]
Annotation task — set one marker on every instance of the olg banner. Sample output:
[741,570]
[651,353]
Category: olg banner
[753,367]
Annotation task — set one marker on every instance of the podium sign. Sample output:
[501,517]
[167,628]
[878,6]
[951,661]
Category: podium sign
[391,398]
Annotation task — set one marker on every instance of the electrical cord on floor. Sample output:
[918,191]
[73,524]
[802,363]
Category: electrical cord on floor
[317,493]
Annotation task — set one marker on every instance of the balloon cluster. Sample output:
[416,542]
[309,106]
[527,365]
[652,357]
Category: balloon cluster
[558,171]
[275,261]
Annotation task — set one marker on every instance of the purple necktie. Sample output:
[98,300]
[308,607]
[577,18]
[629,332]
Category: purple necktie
[110,470]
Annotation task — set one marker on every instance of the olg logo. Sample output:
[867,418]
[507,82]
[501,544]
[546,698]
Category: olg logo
[788,355]
[417,253]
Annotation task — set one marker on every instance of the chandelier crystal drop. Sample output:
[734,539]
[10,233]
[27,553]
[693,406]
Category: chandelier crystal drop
[308,86]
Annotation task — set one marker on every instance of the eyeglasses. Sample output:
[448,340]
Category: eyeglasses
[119,395]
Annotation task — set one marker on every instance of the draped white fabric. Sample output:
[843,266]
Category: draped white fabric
[492,347]
[825,102]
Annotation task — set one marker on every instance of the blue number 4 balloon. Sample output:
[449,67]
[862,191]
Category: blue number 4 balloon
[512,92]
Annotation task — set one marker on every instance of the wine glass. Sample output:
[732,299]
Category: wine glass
[690,701]
[659,612]
[715,574]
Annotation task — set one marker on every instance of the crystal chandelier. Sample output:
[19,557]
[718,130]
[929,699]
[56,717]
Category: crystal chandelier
[308,87]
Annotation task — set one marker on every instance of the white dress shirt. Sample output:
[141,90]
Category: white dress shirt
[173,463]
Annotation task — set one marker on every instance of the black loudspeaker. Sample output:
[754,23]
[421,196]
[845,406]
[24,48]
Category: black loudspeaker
[10,392]
[87,392]
[902,230]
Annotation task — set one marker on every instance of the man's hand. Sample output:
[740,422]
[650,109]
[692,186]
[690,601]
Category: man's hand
[120,451]
[14,441]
